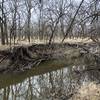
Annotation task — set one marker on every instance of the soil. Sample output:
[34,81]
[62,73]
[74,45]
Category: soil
[22,58]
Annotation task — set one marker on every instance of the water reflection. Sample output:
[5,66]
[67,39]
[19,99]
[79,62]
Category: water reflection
[61,84]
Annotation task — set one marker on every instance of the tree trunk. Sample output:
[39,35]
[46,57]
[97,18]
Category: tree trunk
[2,26]
[6,32]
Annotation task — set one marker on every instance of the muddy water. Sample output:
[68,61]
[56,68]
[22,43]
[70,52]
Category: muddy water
[51,80]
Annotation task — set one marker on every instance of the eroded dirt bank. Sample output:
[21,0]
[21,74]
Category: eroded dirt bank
[22,58]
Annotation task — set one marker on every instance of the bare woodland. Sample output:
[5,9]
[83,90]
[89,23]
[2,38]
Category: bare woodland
[39,36]
[46,20]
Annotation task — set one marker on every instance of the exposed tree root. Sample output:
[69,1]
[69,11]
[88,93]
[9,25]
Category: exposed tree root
[22,58]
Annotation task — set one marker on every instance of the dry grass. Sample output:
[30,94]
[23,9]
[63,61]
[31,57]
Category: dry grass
[89,91]
[37,41]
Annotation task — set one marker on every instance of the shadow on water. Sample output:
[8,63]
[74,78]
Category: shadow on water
[57,79]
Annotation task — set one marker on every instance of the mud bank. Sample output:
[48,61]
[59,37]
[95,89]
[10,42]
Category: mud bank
[22,58]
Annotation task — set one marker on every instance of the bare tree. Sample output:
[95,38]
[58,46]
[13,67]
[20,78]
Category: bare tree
[28,7]
[68,30]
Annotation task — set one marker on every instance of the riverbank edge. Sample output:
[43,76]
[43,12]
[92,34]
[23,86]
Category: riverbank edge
[22,58]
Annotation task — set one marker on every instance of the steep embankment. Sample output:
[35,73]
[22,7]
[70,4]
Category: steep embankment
[22,58]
